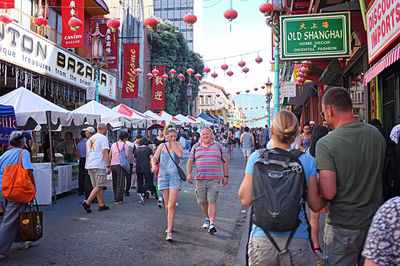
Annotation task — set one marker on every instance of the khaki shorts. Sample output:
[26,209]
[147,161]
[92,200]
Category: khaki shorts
[262,252]
[246,152]
[98,177]
[207,190]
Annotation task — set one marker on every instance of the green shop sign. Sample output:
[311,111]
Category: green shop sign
[324,35]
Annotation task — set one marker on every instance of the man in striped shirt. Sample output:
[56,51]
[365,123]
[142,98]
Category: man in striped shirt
[208,156]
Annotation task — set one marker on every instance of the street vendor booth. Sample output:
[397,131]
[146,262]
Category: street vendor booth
[123,109]
[35,113]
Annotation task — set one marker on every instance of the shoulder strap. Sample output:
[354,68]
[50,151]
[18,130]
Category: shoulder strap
[170,155]
[19,162]
[194,150]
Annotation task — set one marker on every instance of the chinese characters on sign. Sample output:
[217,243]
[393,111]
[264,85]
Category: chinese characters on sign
[72,8]
[4,4]
[288,89]
[111,46]
[158,95]
[315,36]
[130,87]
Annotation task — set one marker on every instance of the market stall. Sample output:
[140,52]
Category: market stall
[170,119]
[36,113]
[156,117]
[123,109]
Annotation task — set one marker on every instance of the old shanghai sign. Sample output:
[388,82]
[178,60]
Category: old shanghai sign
[315,36]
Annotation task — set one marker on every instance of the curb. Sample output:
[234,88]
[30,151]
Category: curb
[241,256]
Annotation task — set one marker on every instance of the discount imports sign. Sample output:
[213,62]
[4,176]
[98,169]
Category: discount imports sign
[315,36]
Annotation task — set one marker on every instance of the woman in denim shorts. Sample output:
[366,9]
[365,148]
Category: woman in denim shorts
[169,181]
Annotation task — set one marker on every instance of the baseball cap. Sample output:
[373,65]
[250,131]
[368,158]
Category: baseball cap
[312,123]
[90,130]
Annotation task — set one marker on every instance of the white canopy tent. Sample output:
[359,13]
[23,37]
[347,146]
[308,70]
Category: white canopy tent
[170,119]
[185,120]
[155,116]
[126,110]
[32,110]
[109,116]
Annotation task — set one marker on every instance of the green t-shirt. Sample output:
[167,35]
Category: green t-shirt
[356,152]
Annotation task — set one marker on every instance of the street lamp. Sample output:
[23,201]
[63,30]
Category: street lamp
[189,94]
[268,97]
[97,40]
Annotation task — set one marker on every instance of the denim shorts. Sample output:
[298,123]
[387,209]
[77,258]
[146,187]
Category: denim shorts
[169,182]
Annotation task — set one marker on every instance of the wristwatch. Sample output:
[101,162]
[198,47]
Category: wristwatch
[227,176]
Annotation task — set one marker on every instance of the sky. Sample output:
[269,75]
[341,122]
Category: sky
[247,37]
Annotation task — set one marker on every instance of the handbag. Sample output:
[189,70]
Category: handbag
[31,223]
[181,173]
[16,184]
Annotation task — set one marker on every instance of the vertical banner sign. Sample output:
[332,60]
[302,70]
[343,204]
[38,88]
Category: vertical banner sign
[72,37]
[158,95]
[131,62]
[111,46]
[4,4]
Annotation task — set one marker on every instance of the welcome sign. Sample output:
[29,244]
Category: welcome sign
[315,36]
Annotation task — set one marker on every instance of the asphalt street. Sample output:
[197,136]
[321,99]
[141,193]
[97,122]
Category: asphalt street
[134,234]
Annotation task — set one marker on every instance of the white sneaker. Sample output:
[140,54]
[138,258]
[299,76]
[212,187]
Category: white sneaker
[26,244]
[141,198]
[212,229]
[206,224]
[160,203]
[169,236]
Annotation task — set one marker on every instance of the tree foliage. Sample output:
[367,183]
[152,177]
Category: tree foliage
[169,48]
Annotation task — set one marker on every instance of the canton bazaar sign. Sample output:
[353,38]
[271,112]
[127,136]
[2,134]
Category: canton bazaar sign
[31,51]
[324,35]
[383,26]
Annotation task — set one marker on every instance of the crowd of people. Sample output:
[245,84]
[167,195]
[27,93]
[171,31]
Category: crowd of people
[341,162]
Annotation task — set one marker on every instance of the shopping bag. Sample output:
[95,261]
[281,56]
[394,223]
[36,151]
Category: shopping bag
[31,223]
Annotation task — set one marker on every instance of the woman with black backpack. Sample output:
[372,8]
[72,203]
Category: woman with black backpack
[281,238]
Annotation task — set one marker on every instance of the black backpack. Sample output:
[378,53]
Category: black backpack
[279,192]
[391,171]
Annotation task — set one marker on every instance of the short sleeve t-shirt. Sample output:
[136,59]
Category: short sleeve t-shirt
[142,155]
[11,156]
[310,169]
[355,152]
[208,161]
[94,151]
[115,152]
[383,241]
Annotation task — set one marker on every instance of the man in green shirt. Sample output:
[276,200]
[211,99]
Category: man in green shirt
[350,162]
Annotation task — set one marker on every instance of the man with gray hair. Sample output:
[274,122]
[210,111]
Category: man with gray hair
[98,165]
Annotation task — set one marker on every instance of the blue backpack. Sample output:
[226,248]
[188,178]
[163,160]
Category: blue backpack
[124,160]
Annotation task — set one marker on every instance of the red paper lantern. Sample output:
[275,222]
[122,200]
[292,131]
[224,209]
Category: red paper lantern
[262,87]
[242,63]
[238,92]
[40,21]
[251,108]
[209,96]
[224,67]
[256,107]
[201,95]
[190,19]
[206,70]
[172,72]
[228,94]
[245,70]
[298,83]
[5,18]
[247,91]
[353,83]
[245,108]
[150,22]
[230,14]
[113,24]
[75,23]
[181,77]
[262,106]
[155,71]
[164,76]
[259,60]
[217,95]
[229,73]
[138,71]
[358,78]
[198,76]
[266,8]
[214,75]
[304,69]
[301,74]
[300,79]
[190,71]
[149,75]
[256,89]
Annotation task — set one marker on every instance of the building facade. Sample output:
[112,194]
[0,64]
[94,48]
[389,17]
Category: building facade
[174,11]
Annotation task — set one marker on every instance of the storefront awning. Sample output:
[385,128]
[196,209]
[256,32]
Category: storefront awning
[96,7]
[302,94]
[386,61]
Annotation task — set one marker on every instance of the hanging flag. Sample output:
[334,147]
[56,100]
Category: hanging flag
[72,37]
[4,4]
[158,95]
[111,46]
[131,62]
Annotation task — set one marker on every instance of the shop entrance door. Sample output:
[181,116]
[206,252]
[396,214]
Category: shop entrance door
[390,86]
